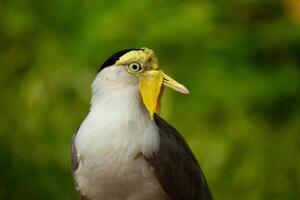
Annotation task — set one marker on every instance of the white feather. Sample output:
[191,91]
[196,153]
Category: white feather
[115,131]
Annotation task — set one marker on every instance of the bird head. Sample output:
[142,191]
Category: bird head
[142,65]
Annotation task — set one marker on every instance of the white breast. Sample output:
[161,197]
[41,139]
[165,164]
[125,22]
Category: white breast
[115,132]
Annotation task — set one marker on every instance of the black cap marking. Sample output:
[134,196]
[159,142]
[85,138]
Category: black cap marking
[115,57]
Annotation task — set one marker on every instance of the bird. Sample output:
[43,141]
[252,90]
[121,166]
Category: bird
[123,149]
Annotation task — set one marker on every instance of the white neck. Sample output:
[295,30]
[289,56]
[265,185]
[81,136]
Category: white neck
[109,141]
[118,115]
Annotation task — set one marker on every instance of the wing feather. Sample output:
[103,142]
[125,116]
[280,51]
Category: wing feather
[175,166]
[75,164]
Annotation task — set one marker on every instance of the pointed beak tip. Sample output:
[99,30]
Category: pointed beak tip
[185,91]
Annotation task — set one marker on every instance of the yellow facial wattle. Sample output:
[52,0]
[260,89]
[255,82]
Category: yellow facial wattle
[151,79]
[150,88]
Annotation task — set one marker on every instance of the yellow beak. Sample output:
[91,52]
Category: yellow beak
[151,88]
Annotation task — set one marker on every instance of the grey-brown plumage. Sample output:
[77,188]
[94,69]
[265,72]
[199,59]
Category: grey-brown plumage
[174,165]
[75,163]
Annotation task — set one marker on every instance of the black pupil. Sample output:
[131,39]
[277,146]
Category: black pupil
[135,67]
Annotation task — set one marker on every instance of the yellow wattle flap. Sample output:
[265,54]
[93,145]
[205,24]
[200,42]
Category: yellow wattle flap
[150,89]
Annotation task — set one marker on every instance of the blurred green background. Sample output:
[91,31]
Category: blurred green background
[240,60]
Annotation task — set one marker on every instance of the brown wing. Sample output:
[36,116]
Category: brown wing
[175,166]
[75,164]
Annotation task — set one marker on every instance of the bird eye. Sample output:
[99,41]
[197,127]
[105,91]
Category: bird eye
[134,67]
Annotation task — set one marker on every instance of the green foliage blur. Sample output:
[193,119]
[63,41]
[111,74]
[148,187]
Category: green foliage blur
[240,60]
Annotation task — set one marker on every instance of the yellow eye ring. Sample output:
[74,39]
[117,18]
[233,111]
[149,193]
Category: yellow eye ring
[134,67]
